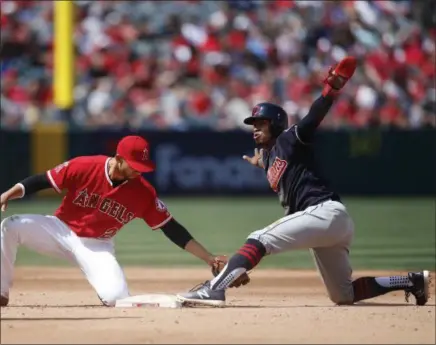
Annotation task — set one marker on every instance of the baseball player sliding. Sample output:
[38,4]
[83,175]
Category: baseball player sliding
[315,218]
[102,195]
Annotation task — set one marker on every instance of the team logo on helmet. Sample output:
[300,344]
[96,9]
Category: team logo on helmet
[256,111]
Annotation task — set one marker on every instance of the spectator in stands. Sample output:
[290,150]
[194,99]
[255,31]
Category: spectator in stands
[204,64]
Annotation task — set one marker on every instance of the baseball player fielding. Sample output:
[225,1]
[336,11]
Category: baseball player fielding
[102,195]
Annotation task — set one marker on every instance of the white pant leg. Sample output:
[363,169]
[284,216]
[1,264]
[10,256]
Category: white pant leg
[97,261]
[48,235]
[42,234]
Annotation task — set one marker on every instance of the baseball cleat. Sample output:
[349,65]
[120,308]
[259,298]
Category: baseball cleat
[4,301]
[420,287]
[203,295]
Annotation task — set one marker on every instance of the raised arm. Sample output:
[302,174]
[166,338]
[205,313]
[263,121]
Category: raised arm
[307,126]
[336,79]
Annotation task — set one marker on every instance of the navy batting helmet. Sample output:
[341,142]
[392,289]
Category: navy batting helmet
[271,112]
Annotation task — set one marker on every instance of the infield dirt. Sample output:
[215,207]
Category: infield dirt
[57,305]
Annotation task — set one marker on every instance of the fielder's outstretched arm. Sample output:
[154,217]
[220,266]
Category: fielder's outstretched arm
[29,185]
[180,236]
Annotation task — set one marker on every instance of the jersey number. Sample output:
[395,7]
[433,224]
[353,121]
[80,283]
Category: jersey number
[109,233]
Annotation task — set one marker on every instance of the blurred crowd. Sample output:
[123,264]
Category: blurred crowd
[204,64]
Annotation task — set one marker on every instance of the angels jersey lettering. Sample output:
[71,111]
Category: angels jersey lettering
[93,207]
[104,205]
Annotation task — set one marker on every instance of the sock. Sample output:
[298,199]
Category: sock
[370,287]
[247,257]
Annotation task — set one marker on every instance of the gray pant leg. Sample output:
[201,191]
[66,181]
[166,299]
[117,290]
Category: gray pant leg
[335,269]
[324,225]
[328,230]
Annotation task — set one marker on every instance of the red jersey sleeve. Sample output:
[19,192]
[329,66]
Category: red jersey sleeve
[156,213]
[61,176]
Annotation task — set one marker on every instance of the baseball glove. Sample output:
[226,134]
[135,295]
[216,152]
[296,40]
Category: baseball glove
[339,75]
[219,264]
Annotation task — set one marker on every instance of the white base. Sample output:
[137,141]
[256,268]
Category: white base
[149,301]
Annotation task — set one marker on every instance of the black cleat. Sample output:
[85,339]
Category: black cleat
[203,295]
[420,287]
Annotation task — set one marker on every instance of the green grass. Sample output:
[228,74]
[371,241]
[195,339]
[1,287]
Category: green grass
[390,233]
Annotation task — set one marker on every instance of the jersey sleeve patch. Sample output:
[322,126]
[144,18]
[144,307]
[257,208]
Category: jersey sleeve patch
[160,205]
[156,214]
[161,208]
[57,176]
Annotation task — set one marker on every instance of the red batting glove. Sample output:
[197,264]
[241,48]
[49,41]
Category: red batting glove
[339,75]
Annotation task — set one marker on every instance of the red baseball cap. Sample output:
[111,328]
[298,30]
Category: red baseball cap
[135,150]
